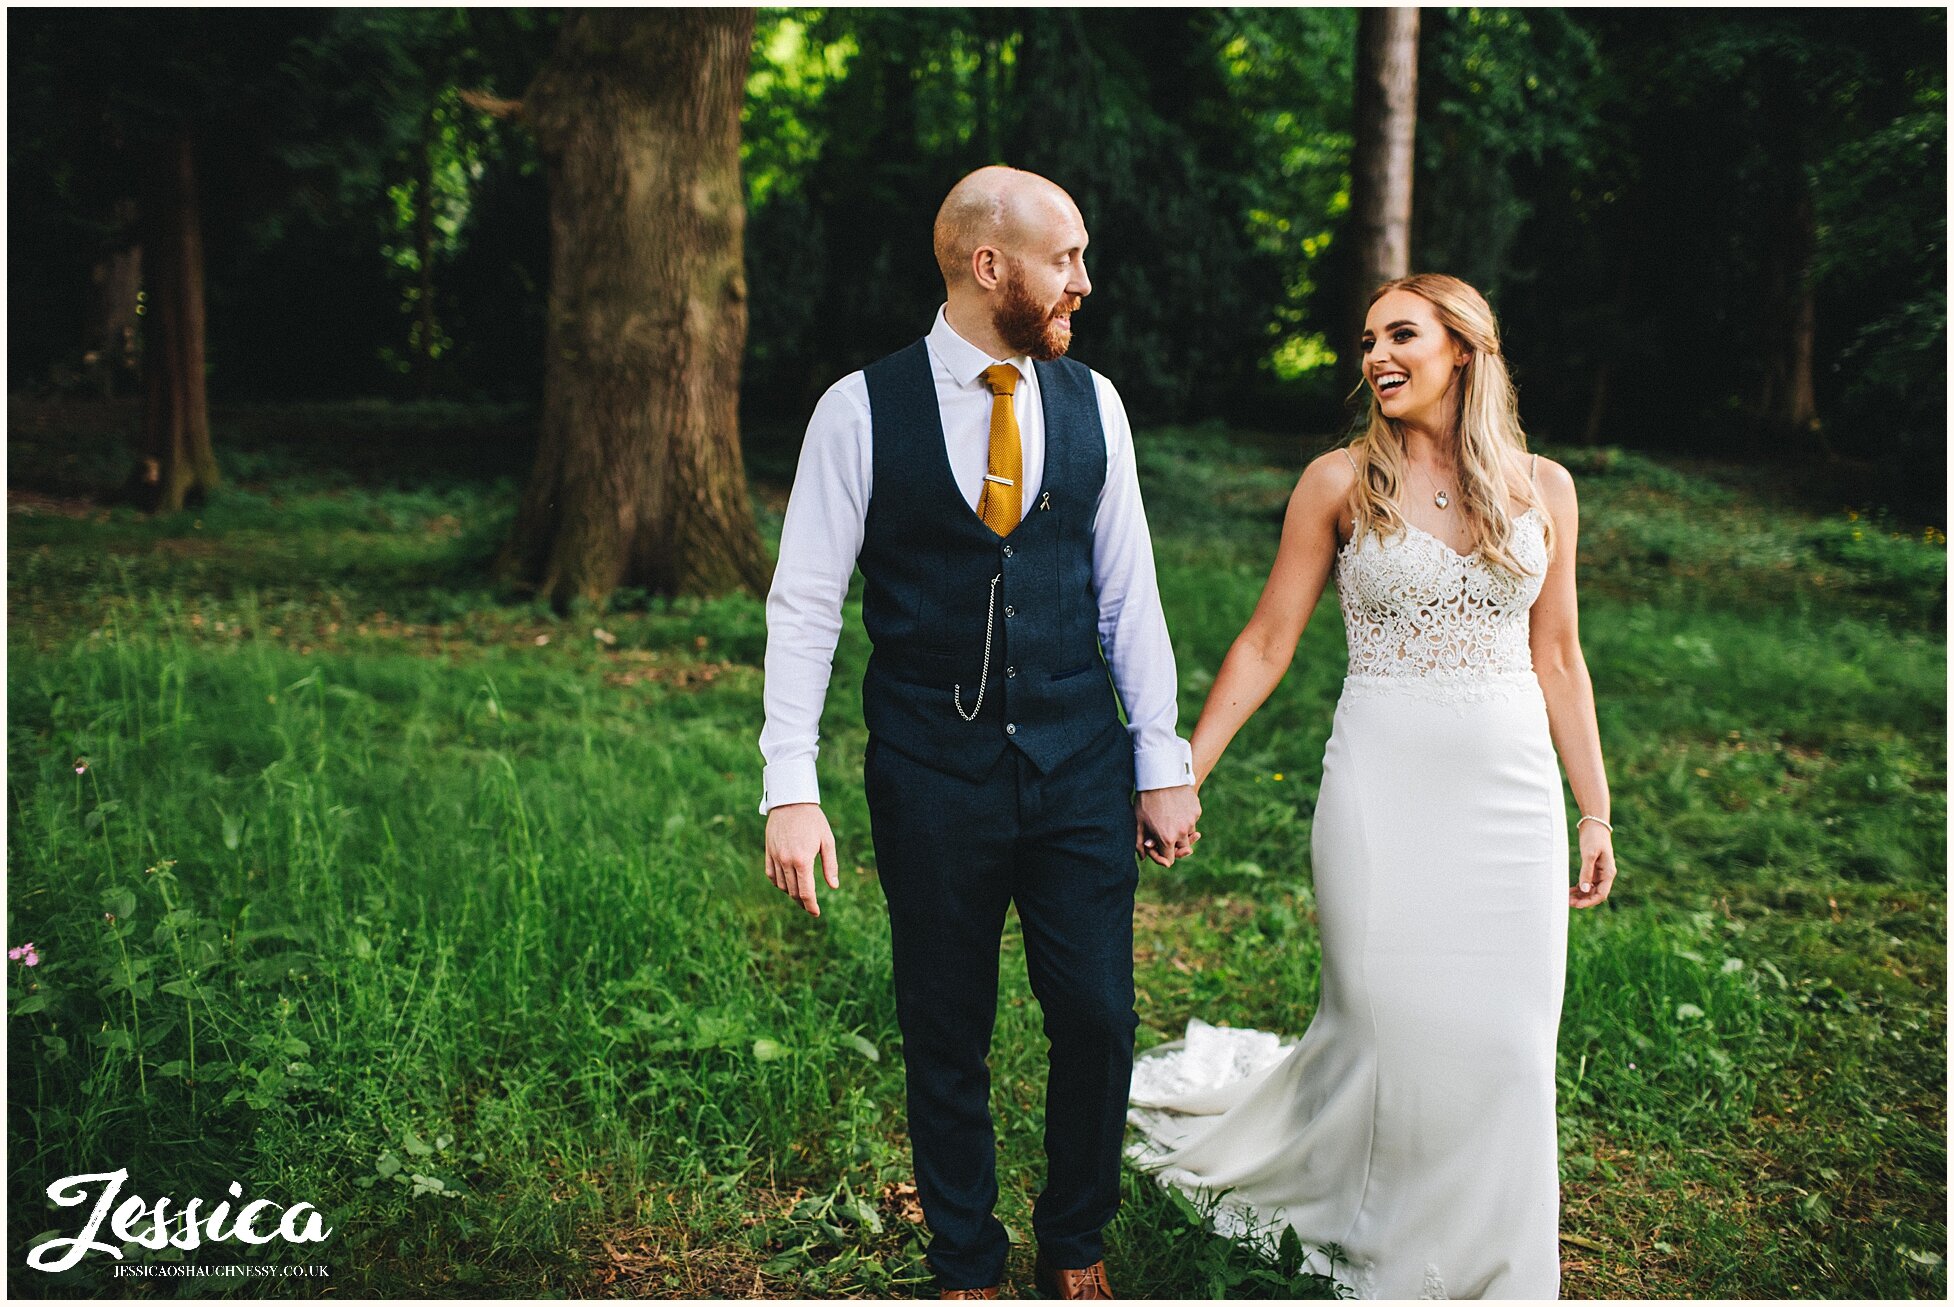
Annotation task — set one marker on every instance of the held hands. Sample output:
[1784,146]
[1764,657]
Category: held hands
[1597,867]
[796,834]
[1164,823]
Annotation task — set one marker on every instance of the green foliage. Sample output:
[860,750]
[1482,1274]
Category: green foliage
[879,112]
[1505,96]
[1643,194]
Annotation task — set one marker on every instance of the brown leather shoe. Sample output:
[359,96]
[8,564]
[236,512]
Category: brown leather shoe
[1057,1282]
[990,1292]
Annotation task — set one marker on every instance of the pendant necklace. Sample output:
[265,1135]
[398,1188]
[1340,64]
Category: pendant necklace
[1439,497]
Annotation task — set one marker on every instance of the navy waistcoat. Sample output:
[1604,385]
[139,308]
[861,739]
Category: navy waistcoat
[929,561]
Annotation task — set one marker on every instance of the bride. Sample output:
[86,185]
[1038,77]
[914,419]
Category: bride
[1409,1137]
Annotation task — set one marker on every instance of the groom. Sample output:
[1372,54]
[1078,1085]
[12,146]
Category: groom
[985,484]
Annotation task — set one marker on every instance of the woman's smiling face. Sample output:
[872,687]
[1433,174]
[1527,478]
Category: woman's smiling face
[1410,360]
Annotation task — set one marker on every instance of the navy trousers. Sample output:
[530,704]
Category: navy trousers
[952,855]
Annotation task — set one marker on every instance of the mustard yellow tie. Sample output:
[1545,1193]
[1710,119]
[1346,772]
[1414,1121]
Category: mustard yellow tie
[1001,504]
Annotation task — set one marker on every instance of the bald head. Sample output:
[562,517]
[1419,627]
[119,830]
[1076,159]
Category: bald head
[1006,208]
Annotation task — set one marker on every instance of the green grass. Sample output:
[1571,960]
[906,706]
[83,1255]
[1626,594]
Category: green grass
[446,915]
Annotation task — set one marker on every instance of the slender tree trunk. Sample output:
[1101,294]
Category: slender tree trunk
[639,478]
[1597,403]
[1786,407]
[985,91]
[178,467]
[424,255]
[113,317]
[1381,162]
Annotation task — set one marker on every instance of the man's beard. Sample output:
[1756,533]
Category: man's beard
[1029,327]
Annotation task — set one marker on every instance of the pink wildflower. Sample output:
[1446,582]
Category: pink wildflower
[25,954]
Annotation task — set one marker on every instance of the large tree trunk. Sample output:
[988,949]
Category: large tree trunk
[638,478]
[1381,163]
[178,467]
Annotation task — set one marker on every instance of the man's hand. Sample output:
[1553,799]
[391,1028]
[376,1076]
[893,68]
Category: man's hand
[1164,821]
[796,834]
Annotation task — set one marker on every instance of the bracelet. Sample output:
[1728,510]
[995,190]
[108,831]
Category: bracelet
[1597,821]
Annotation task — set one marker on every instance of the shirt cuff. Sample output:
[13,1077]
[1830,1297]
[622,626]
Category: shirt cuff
[789,781]
[1163,766]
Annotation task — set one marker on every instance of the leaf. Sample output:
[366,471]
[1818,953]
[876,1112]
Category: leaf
[175,1069]
[1687,1011]
[32,1003]
[117,1039]
[387,1167]
[1919,1258]
[416,1146]
[862,1046]
[768,1050]
[54,1046]
[121,901]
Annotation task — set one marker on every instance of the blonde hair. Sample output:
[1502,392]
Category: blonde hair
[1488,444]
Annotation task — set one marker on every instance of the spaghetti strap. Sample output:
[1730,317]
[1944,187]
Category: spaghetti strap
[1536,471]
[1349,458]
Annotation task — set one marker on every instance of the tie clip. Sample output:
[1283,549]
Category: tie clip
[1002,481]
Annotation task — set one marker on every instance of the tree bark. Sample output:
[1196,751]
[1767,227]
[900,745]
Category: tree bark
[113,318]
[1598,403]
[1381,162]
[424,255]
[178,467]
[1786,407]
[639,479]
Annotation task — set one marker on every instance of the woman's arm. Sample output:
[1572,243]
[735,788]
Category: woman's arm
[1261,653]
[1556,640]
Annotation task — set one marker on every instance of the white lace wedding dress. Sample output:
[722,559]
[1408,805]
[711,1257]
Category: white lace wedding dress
[1412,1126]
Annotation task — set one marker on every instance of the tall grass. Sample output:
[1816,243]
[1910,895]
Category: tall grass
[365,885]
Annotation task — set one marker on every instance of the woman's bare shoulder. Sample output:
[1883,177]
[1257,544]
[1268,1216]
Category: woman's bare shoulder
[1322,493]
[1332,474]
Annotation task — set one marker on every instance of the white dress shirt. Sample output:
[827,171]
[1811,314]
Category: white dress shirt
[822,536]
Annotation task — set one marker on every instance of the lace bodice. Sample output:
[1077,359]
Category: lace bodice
[1415,607]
